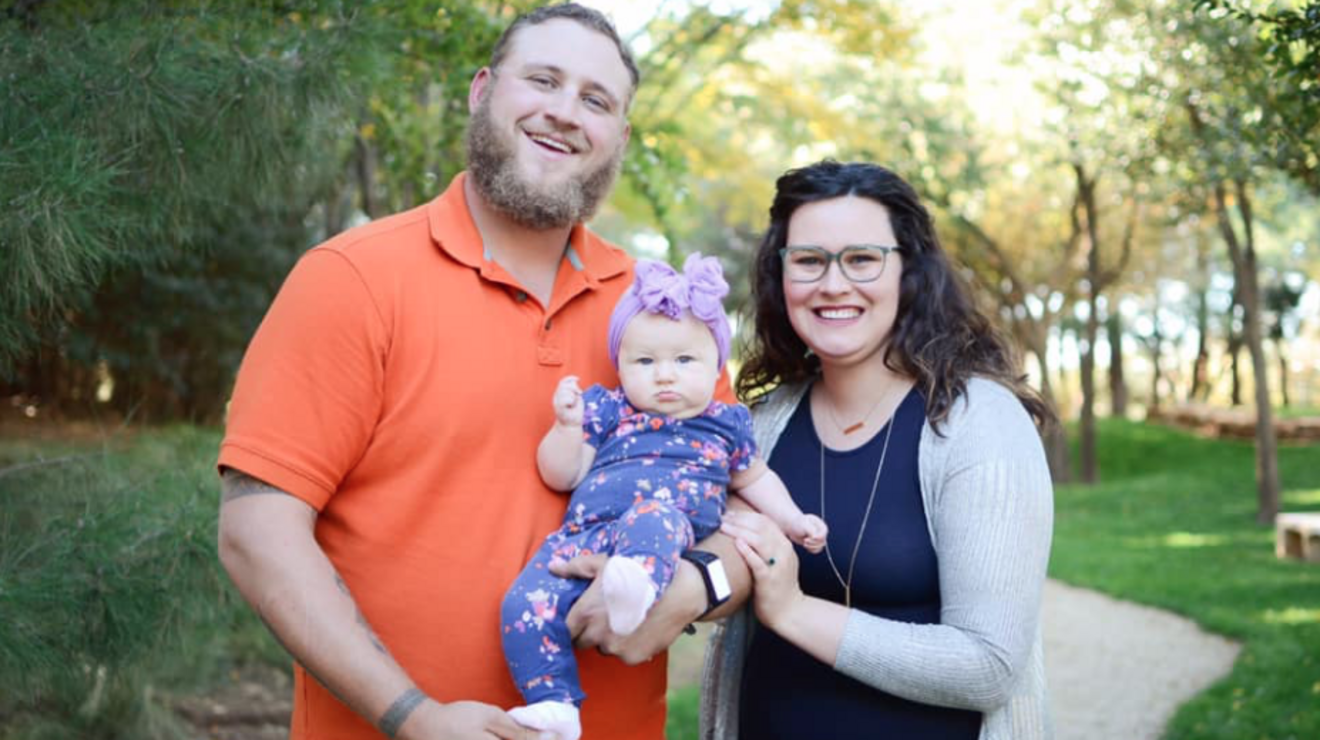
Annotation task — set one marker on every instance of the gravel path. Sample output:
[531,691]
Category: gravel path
[1120,670]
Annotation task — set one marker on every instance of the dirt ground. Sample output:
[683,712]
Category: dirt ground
[255,704]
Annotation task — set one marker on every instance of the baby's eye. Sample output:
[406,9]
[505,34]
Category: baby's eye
[685,359]
[644,361]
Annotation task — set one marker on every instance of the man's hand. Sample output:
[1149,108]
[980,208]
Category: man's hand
[464,720]
[589,623]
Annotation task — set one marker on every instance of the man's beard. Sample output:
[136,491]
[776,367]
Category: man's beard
[493,163]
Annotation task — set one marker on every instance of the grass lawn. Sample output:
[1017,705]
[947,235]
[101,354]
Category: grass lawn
[107,559]
[1172,525]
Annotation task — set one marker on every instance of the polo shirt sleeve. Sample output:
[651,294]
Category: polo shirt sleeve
[744,441]
[600,415]
[309,390]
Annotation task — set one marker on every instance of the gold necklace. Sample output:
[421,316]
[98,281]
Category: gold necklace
[829,409]
[857,546]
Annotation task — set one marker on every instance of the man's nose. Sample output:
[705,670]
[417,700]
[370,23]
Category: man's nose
[562,108]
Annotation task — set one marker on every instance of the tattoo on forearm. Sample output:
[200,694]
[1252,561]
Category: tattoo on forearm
[237,484]
[397,714]
[362,618]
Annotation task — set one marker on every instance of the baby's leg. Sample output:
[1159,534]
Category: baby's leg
[539,648]
[649,538]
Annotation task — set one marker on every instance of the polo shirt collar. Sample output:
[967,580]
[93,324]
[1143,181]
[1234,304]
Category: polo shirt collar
[455,232]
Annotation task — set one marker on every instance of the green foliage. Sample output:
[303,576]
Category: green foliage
[684,713]
[110,585]
[130,129]
[1172,526]
[1289,131]
[415,122]
[169,335]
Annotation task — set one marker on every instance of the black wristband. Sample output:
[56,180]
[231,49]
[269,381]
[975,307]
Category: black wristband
[712,575]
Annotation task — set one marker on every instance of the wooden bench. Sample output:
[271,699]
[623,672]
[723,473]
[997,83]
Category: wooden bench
[1297,535]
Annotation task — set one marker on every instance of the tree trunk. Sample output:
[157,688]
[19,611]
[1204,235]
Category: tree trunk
[1087,434]
[1055,439]
[1118,393]
[1234,355]
[1157,372]
[1201,365]
[1243,254]
[366,176]
[1283,373]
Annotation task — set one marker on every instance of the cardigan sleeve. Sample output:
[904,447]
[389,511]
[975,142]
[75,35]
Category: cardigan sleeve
[990,508]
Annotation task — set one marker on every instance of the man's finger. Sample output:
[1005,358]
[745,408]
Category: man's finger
[582,566]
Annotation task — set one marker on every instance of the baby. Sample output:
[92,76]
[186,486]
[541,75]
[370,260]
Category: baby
[649,465]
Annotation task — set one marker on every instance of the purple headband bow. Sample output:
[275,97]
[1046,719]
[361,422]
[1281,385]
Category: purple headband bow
[658,288]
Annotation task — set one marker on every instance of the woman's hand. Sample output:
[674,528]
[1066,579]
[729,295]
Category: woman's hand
[771,559]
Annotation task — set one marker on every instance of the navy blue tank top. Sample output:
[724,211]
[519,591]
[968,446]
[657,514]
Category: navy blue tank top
[786,693]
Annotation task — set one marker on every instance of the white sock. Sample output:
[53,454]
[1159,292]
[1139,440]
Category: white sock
[629,593]
[560,718]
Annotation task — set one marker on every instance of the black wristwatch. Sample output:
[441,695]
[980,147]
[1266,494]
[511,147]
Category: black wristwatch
[708,564]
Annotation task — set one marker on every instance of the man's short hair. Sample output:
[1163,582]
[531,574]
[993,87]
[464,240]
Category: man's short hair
[589,17]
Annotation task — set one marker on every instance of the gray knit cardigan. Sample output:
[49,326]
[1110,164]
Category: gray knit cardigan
[990,510]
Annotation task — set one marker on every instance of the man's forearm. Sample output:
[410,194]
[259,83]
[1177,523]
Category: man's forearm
[269,550]
[740,579]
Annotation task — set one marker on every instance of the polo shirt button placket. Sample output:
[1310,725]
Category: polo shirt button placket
[548,352]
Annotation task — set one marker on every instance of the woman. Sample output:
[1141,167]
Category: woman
[894,412]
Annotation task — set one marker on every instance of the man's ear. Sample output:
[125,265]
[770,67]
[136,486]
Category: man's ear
[480,80]
[627,132]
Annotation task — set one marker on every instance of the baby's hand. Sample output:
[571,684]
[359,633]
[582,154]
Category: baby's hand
[568,402]
[811,533]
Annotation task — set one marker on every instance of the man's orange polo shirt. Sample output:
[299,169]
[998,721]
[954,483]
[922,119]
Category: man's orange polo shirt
[400,385]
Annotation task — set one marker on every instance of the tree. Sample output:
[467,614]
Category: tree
[130,128]
[1288,132]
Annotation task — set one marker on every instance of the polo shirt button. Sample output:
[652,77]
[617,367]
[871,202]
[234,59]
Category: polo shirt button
[521,296]
[547,324]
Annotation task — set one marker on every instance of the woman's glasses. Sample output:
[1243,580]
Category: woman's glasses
[860,263]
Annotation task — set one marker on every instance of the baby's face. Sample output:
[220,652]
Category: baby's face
[668,367]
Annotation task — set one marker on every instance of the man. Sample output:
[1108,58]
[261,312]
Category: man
[380,488]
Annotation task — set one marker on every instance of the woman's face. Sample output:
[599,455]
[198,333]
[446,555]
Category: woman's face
[843,322]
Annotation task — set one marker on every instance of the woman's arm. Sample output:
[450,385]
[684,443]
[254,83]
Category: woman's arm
[812,624]
[991,524]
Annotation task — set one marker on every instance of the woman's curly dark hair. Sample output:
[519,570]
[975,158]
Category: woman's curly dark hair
[940,338]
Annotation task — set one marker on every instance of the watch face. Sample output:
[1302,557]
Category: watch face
[719,581]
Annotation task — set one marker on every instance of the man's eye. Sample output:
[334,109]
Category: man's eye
[597,103]
[542,81]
